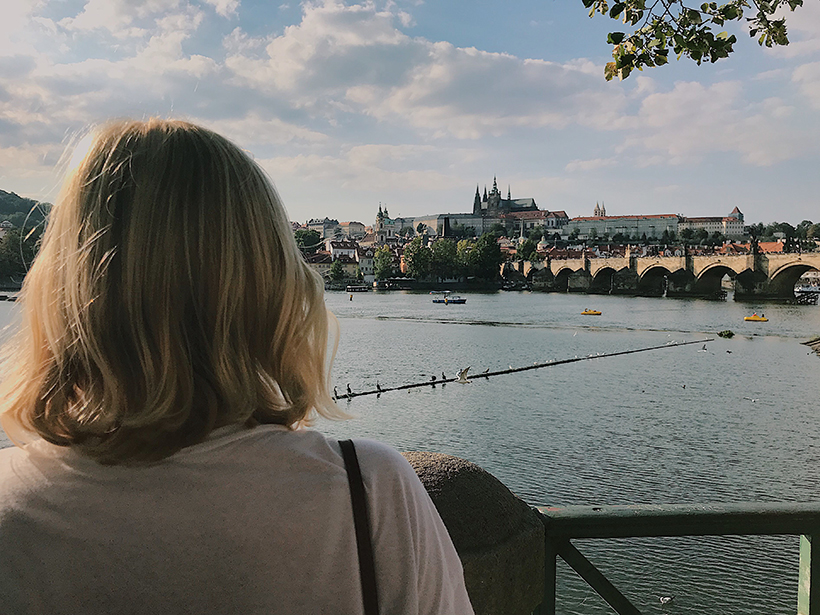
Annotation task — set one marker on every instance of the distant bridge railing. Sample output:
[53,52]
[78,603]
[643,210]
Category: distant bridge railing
[566,523]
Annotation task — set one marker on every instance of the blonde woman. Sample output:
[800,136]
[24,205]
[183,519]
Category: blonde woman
[173,345]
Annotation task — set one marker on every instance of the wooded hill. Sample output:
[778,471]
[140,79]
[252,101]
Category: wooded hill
[16,208]
[19,246]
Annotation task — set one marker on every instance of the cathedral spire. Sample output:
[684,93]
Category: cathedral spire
[495,185]
[509,198]
[485,192]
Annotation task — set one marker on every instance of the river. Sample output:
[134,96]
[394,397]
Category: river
[737,422]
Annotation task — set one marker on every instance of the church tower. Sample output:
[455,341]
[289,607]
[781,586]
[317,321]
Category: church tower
[477,201]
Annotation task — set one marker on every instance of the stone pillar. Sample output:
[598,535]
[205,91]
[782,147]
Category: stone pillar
[499,538]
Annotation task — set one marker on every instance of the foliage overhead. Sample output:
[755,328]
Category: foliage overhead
[686,28]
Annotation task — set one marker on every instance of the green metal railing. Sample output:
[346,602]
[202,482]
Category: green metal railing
[566,523]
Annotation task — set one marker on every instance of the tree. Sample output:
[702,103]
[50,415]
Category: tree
[684,27]
[498,229]
[464,263]
[486,257]
[701,235]
[687,234]
[337,271]
[537,232]
[418,259]
[802,229]
[444,263]
[383,263]
[527,249]
[17,251]
[307,240]
[574,234]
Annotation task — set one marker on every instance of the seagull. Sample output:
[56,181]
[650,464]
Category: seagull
[728,352]
[335,393]
[704,349]
[511,366]
[485,372]
[574,334]
[462,375]
[751,399]
[443,377]
[666,599]
[349,392]
[683,385]
[378,386]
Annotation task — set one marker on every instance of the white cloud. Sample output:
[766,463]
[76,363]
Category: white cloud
[692,120]
[807,77]
[589,165]
[116,16]
[226,8]
[354,59]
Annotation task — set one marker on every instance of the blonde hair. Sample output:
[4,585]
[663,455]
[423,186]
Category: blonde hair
[168,298]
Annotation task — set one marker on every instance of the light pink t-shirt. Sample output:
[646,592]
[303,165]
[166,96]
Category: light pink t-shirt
[250,521]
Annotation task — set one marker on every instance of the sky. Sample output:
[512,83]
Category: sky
[348,104]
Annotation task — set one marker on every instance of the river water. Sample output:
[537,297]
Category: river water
[738,422]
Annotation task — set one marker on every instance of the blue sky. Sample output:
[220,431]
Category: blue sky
[412,103]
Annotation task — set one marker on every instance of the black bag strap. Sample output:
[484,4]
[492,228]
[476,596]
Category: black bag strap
[367,567]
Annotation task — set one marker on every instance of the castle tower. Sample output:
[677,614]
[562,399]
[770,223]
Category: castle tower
[477,201]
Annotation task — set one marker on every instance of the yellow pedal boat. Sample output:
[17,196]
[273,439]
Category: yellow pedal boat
[755,318]
[590,313]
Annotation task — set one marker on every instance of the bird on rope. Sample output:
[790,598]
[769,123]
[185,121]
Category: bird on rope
[462,375]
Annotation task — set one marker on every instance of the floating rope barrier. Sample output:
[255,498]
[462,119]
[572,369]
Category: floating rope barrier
[514,370]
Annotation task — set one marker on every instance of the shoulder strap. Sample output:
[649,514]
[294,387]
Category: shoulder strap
[367,567]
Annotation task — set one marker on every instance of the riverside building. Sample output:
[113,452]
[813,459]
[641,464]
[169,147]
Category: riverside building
[653,226]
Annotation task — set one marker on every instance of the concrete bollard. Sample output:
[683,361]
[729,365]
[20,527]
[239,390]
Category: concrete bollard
[499,538]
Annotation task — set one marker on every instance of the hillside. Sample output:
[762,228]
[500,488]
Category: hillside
[15,208]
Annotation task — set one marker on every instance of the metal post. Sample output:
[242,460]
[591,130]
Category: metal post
[547,606]
[808,589]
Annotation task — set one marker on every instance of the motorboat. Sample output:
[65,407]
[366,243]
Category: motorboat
[590,313]
[755,318]
[450,299]
[357,288]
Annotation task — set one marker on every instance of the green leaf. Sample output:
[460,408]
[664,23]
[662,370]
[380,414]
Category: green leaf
[616,10]
[615,38]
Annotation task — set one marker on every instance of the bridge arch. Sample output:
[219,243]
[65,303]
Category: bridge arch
[652,282]
[783,279]
[603,281]
[709,280]
[562,279]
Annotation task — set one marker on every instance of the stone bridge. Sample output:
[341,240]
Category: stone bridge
[768,275]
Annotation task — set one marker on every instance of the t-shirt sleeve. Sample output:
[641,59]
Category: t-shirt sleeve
[417,567]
